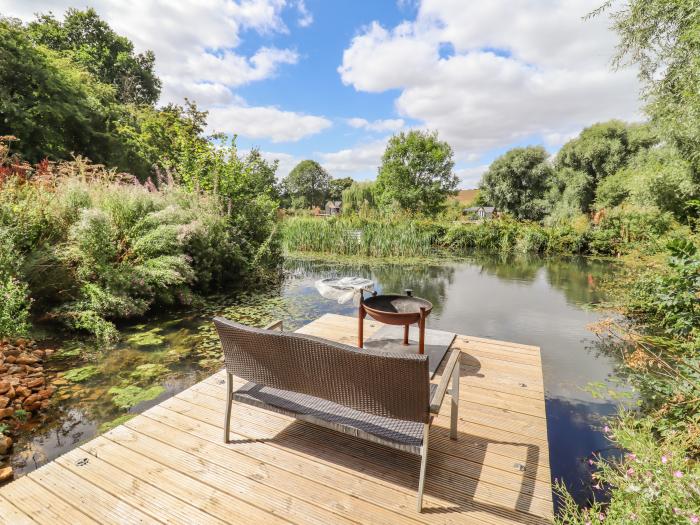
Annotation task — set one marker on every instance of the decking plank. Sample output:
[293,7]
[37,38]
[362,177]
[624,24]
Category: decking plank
[170,464]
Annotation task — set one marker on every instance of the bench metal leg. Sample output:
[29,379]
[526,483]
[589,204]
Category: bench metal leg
[454,403]
[423,465]
[229,402]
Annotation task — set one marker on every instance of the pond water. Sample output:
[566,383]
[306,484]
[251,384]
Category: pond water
[538,302]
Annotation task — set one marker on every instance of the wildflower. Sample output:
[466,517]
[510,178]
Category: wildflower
[606,429]
[631,457]
[601,516]
[678,474]
[694,519]
[630,471]
[664,459]
[590,462]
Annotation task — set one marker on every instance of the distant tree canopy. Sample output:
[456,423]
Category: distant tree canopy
[307,184]
[517,182]
[91,43]
[416,173]
[359,196]
[337,186]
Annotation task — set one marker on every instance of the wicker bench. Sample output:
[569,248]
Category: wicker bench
[386,398]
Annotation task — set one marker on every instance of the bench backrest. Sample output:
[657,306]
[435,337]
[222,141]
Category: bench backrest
[381,383]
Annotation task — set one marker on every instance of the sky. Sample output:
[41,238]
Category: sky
[332,80]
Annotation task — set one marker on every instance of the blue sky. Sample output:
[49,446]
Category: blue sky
[332,80]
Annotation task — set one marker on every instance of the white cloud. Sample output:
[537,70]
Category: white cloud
[377,125]
[196,46]
[487,74]
[287,161]
[266,123]
[305,17]
[469,177]
[359,162]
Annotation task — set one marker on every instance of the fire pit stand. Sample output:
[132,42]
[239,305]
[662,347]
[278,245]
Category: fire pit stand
[395,310]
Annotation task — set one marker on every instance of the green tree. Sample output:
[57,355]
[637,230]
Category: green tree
[416,173]
[53,106]
[337,186]
[517,182]
[359,196]
[307,184]
[598,152]
[91,43]
[662,38]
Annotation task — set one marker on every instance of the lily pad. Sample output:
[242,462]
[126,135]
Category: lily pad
[129,396]
[109,425]
[150,338]
[78,375]
[149,371]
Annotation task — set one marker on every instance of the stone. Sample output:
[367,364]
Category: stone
[22,391]
[12,352]
[10,359]
[4,386]
[26,359]
[6,412]
[5,474]
[5,444]
[39,353]
[31,400]
[11,393]
[4,401]
[34,383]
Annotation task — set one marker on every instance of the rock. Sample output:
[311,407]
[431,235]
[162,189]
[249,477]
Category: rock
[59,382]
[34,383]
[39,353]
[22,391]
[26,359]
[10,359]
[11,352]
[3,369]
[6,412]
[5,444]
[5,474]
[30,400]
[4,386]
[44,404]
[4,401]
[46,393]
[11,393]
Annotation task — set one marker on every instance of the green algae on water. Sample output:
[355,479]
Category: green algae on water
[131,395]
[149,371]
[150,338]
[109,425]
[78,375]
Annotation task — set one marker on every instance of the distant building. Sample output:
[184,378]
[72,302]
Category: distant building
[333,207]
[480,212]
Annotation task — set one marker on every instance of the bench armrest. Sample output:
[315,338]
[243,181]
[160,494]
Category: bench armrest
[447,374]
[275,325]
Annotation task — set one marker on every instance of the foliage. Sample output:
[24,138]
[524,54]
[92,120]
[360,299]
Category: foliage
[14,293]
[662,39]
[307,185]
[338,186]
[359,197]
[92,44]
[97,247]
[52,104]
[655,482]
[416,173]
[517,182]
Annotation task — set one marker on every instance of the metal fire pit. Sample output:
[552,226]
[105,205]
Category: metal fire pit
[397,310]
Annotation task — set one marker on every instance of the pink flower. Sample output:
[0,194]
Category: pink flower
[664,459]
[631,457]
[678,474]
[601,516]
[590,462]
[630,471]
[606,429]
[694,519]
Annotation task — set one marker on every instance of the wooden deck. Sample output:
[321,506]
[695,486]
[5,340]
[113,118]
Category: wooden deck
[170,465]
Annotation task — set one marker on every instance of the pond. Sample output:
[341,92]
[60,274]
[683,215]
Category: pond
[532,301]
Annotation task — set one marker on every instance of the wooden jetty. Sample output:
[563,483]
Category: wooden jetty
[170,465]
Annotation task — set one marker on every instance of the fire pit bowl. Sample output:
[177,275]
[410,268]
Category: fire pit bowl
[396,310]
